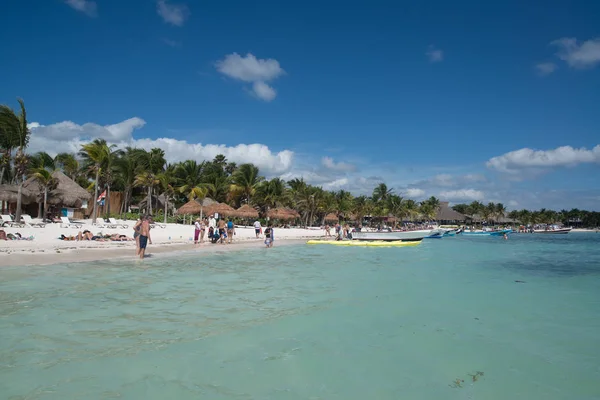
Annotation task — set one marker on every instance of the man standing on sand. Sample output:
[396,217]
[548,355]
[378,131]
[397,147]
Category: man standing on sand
[212,223]
[144,236]
[257,228]
[222,226]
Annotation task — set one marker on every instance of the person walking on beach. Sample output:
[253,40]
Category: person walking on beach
[230,231]
[222,230]
[203,224]
[197,230]
[136,235]
[269,236]
[144,236]
[212,222]
[257,228]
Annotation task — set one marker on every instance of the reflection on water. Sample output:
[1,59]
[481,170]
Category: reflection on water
[307,322]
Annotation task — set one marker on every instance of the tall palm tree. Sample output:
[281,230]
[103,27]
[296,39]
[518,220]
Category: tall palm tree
[245,180]
[500,211]
[190,175]
[126,166]
[360,208]
[165,180]
[271,194]
[47,182]
[148,180]
[14,134]
[381,193]
[97,155]
[68,164]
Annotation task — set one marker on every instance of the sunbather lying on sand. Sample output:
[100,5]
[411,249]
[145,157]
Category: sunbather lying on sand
[13,236]
[87,235]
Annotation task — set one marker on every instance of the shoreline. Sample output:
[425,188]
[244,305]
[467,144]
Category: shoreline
[69,255]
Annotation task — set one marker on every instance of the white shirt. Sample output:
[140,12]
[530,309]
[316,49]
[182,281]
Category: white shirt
[197,225]
[256,224]
[212,222]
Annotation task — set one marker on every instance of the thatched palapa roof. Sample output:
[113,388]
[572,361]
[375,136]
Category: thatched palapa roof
[9,193]
[445,213]
[190,208]
[67,192]
[220,208]
[280,213]
[246,211]
[331,217]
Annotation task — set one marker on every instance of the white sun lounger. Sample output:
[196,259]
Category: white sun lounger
[101,224]
[117,224]
[66,223]
[31,223]
[8,221]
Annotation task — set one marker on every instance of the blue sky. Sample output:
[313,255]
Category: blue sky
[489,101]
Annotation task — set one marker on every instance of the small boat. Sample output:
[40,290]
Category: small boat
[405,236]
[487,233]
[558,231]
[365,243]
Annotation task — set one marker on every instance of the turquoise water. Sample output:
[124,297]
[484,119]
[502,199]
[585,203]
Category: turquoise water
[312,322]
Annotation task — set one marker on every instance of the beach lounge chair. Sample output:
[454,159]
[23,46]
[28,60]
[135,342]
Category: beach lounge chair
[30,223]
[101,224]
[66,223]
[8,221]
[155,224]
[117,224]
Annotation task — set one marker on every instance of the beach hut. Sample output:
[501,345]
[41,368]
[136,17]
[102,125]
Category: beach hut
[67,196]
[446,215]
[192,207]
[9,194]
[246,211]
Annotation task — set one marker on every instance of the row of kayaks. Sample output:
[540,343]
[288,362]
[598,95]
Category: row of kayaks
[365,243]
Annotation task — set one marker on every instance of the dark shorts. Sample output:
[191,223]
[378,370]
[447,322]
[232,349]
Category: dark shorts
[221,232]
[257,231]
[143,241]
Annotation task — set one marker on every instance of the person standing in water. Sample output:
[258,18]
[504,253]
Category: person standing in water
[269,236]
[136,235]
[144,236]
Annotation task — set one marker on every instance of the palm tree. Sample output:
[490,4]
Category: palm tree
[148,180]
[164,179]
[245,180]
[190,177]
[97,155]
[500,211]
[68,164]
[271,194]
[360,208]
[47,182]
[381,193]
[412,208]
[14,133]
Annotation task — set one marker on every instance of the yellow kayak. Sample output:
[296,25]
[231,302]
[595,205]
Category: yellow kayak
[378,243]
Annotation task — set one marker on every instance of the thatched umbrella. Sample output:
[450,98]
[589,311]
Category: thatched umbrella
[9,193]
[246,211]
[220,208]
[331,217]
[280,213]
[192,207]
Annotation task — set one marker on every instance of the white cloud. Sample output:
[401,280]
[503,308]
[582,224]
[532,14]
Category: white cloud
[87,7]
[174,14]
[251,69]
[68,136]
[263,91]
[544,69]
[584,55]
[336,184]
[434,54]
[515,161]
[414,193]
[341,166]
[462,195]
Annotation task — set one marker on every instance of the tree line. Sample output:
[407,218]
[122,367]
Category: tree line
[144,175]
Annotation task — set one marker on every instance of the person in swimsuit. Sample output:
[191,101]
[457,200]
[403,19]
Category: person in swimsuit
[144,236]
[230,231]
[269,236]
[136,235]
[197,230]
[222,230]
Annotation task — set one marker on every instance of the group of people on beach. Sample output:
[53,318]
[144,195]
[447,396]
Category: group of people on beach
[218,230]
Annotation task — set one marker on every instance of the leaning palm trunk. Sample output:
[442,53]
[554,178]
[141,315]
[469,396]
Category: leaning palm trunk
[108,200]
[149,201]
[166,204]
[19,195]
[95,213]
[45,203]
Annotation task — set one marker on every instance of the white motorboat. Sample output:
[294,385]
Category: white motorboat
[557,231]
[405,236]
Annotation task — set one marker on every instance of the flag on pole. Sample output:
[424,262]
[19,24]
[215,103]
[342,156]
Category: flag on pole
[101,197]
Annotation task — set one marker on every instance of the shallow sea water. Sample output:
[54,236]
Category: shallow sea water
[312,322]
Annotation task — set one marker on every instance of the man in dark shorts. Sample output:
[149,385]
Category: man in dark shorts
[144,236]
[222,226]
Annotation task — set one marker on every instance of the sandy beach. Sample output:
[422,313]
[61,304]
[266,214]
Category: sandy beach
[46,247]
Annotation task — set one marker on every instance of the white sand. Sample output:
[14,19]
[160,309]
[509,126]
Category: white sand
[46,248]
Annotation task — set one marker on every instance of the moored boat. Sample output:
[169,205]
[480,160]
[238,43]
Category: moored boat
[558,231]
[404,236]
